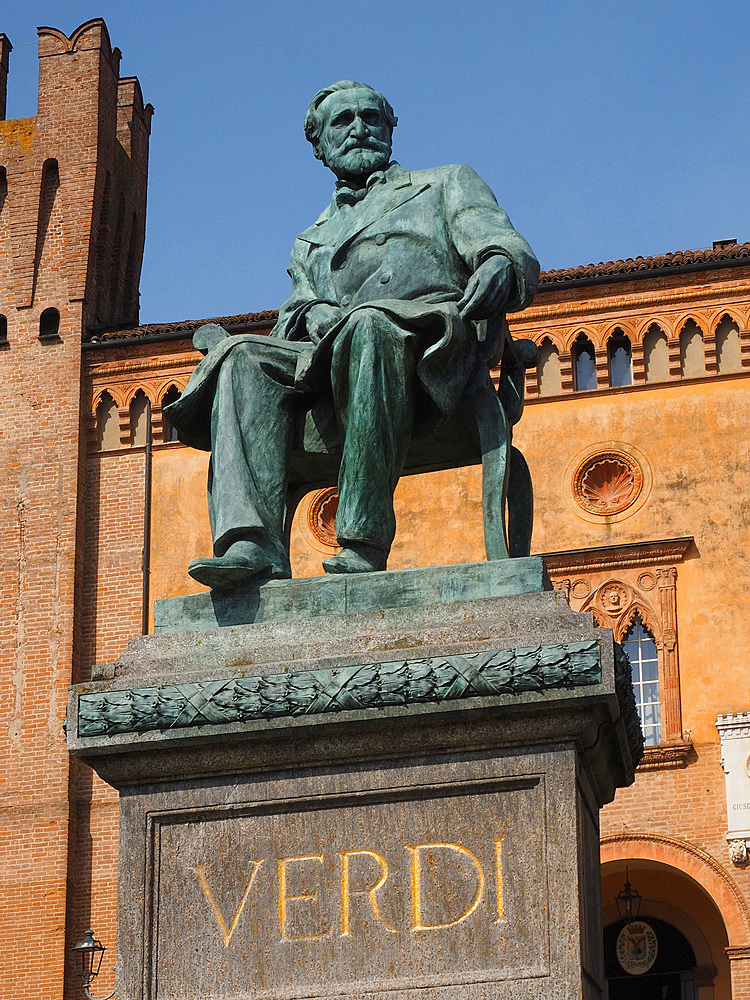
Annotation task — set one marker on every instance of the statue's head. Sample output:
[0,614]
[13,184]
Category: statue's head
[350,126]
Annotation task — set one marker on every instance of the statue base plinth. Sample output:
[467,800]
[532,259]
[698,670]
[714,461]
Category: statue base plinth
[312,597]
[398,801]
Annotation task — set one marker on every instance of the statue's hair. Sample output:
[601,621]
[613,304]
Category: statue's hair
[314,120]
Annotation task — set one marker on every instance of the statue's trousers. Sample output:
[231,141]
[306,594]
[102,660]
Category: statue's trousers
[254,411]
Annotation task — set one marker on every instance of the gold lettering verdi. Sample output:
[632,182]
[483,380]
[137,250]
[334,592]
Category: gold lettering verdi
[200,871]
[285,898]
[364,873]
[416,884]
[347,892]
[500,918]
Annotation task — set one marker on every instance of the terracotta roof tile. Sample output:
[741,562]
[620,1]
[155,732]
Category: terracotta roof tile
[680,258]
[186,326]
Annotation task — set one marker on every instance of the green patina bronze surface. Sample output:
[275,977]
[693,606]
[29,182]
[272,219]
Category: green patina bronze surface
[397,311]
[313,597]
[368,685]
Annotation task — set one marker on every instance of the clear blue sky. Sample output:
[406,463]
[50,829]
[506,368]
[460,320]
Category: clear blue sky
[606,129]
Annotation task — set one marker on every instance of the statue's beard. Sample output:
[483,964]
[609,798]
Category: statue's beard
[359,160]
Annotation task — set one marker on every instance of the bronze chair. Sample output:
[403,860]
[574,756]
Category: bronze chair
[479,431]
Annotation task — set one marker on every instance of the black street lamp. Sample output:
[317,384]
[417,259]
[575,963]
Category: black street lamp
[87,955]
[628,901]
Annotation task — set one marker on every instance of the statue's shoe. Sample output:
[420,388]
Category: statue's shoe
[243,561]
[356,558]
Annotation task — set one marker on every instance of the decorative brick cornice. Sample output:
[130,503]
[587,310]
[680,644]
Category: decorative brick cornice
[141,366]
[235,324]
[737,953]
[640,306]
[666,756]
[606,270]
[635,554]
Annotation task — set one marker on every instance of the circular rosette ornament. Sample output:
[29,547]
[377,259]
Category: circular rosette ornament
[321,516]
[607,483]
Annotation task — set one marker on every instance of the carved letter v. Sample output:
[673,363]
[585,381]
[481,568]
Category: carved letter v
[200,870]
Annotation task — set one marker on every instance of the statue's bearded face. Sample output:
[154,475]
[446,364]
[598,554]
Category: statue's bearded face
[355,138]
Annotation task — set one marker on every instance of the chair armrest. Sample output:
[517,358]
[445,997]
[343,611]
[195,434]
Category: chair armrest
[518,355]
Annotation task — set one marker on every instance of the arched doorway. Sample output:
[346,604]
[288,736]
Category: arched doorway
[689,927]
[648,959]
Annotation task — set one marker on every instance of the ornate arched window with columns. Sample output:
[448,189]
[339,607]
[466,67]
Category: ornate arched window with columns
[636,585]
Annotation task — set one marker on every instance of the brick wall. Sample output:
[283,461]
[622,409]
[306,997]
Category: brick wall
[52,226]
[687,802]
[112,575]
[110,603]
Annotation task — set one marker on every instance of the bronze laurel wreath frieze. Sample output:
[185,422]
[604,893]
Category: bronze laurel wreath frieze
[369,685]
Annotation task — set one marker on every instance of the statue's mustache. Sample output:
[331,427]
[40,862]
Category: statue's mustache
[366,142]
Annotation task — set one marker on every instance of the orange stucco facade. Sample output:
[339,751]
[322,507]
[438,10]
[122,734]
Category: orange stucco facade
[641,511]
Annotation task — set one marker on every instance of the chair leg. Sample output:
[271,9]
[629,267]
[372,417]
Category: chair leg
[494,440]
[520,506]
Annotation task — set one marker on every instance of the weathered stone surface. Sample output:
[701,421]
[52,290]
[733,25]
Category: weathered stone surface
[287,600]
[405,880]
[399,801]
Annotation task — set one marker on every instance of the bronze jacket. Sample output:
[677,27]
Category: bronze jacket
[408,249]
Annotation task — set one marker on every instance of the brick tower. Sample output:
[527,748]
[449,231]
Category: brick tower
[72,215]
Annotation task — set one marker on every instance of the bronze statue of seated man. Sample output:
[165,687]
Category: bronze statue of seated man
[387,286]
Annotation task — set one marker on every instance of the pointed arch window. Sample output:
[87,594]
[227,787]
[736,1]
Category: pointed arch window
[656,354]
[632,589]
[728,352]
[692,355]
[584,364]
[107,423]
[170,396]
[639,644]
[140,415]
[548,370]
[620,359]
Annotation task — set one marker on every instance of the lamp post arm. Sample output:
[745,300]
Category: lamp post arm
[90,997]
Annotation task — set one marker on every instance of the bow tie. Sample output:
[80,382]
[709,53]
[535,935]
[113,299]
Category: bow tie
[347,195]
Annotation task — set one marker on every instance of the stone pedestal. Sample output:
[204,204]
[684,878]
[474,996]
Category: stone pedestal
[390,801]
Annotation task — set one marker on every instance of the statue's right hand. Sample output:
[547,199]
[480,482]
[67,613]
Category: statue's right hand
[319,320]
